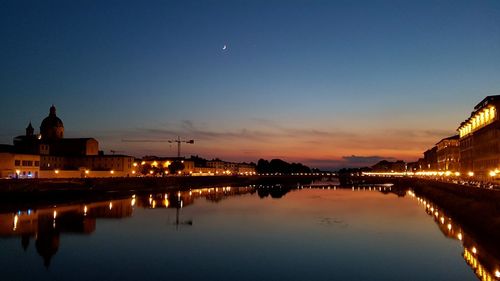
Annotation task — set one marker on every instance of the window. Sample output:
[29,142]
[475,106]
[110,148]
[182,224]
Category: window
[37,163]
[17,163]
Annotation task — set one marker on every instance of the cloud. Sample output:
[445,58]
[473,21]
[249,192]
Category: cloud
[436,134]
[365,159]
[352,161]
[261,138]
[268,131]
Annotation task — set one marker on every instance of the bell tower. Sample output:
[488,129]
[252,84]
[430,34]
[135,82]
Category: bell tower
[30,132]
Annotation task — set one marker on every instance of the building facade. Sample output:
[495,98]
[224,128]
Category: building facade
[193,166]
[18,165]
[430,159]
[448,154]
[479,140]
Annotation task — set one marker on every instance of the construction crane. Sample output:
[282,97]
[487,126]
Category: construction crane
[178,140]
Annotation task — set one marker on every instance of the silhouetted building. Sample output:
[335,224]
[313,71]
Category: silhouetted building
[52,127]
[387,166]
[412,166]
[430,159]
[59,156]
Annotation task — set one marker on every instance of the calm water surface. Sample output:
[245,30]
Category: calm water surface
[235,234]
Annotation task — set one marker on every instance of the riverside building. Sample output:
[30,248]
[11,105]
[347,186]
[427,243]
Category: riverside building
[53,156]
[479,140]
[448,154]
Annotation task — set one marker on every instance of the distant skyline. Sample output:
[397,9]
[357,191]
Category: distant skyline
[326,83]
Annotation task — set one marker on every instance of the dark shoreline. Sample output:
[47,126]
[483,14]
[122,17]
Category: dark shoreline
[54,191]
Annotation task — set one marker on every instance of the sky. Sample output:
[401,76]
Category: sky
[327,83]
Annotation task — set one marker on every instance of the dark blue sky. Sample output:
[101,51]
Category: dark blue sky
[312,81]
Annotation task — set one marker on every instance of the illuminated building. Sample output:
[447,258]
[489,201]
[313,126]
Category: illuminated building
[224,167]
[163,163]
[480,141]
[15,164]
[246,169]
[52,155]
[198,166]
[448,153]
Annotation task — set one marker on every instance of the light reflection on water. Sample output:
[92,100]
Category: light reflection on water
[485,266]
[254,232]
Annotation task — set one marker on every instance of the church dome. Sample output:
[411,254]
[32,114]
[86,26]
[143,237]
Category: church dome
[52,127]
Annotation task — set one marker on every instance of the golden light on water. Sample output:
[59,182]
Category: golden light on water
[16,220]
[478,268]
[470,254]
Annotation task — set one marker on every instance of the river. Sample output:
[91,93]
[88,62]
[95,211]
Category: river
[242,233]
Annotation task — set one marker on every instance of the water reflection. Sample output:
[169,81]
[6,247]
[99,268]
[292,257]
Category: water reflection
[485,266]
[44,226]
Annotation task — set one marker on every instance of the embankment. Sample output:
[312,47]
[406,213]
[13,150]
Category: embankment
[63,190]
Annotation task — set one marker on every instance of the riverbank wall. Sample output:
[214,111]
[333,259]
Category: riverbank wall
[60,190]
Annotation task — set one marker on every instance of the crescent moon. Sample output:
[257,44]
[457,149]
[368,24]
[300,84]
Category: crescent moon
[224,47]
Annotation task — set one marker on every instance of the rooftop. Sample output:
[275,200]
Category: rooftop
[454,137]
[486,101]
